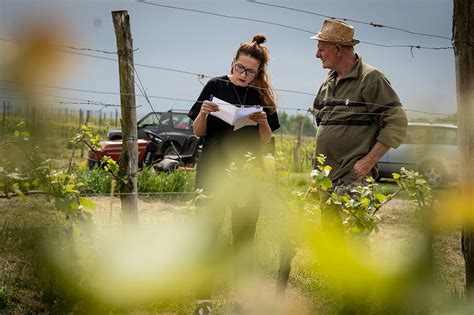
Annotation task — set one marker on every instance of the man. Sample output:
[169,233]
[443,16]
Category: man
[359,115]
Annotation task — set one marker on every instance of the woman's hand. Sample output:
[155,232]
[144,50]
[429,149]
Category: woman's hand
[199,124]
[208,107]
[259,117]
[263,127]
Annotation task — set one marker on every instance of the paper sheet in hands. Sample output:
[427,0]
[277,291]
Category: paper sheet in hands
[233,115]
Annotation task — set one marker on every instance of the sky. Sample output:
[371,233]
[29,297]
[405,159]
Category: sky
[200,43]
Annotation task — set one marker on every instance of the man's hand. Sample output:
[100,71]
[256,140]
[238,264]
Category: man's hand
[363,167]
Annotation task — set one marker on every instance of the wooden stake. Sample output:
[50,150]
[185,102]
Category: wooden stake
[129,159]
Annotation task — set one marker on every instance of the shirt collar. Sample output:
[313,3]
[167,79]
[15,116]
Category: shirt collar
[353,73]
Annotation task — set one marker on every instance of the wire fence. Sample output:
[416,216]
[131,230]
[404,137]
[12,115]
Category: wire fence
[192,101]
[302,29]
[373,24]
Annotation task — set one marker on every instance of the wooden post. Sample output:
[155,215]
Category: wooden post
[463,35]
[3,118]
[88,117]
[100,121]
[129,159]
[34,131]
[81,122]
[297,151]
[81,118]
[67,113]
[116,117]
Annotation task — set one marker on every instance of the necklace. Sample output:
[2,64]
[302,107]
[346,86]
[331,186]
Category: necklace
[238,97]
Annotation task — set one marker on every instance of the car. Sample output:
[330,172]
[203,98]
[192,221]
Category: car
[430,149]
[173,125]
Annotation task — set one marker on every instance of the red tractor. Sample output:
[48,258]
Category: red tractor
[148,152]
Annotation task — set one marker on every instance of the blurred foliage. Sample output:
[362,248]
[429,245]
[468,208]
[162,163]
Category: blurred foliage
[360,203]
[38,175]
[290,124]
[444,119]
[285,150]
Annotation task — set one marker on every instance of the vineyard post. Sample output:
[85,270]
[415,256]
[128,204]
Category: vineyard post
[297,152]
[100,121]
[81,122]
[3,118]
[463,41]
[67,113]
[88,117]
[34,122]
[129,158]
[88,120]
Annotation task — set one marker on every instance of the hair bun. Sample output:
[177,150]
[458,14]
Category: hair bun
[259,39]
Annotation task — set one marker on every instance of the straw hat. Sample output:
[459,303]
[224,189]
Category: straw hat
[336,32]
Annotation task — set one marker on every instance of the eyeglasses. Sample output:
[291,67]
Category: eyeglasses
[241,69]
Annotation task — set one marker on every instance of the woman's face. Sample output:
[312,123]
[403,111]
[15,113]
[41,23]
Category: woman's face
[245,70]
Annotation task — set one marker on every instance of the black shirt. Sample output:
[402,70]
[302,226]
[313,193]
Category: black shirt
[221,141]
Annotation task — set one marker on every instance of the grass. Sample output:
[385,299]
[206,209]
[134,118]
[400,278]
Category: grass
[149,181]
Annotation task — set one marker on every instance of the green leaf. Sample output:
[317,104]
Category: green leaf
[326,184]
[326,170]
[88,204]
[365,202]
[321,159]
[380,197]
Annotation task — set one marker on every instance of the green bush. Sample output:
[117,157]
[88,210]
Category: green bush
[177,181]
[95,181]
[149,181]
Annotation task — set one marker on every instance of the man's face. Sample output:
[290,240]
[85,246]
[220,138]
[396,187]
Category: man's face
[327,52]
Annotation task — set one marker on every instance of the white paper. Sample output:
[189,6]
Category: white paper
[233,115]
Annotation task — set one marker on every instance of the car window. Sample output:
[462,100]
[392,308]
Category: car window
[181,121]
[417,135]
[444,136]
[165,122]
[150,119]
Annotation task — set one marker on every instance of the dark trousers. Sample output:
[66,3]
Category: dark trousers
[243,225]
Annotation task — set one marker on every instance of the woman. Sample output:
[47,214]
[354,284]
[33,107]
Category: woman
[247,84]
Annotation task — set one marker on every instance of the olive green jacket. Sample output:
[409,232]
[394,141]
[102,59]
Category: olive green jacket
[353,114]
